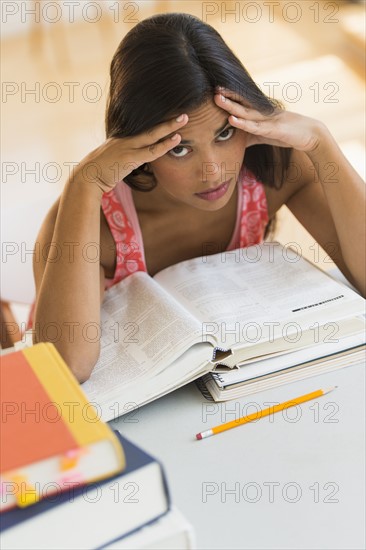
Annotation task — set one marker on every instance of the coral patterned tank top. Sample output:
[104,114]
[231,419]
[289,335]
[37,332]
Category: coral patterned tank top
[121,216]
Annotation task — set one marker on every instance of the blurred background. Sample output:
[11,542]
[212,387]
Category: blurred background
[55,58]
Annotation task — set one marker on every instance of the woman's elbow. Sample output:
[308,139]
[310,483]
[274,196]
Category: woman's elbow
[81,362]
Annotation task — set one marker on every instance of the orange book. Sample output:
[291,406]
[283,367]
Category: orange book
[52,438]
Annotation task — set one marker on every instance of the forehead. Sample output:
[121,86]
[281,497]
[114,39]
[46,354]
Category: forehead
[207,117]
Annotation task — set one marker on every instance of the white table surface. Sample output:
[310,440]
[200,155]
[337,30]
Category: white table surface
[295,482]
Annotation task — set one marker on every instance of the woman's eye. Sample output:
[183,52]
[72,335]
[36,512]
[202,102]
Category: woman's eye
[226,134]
[177,151]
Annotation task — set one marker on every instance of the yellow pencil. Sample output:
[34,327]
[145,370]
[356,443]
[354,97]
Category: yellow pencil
[265,412]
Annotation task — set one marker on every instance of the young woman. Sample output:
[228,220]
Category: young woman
[195,154]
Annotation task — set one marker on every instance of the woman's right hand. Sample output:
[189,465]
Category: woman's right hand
[112,161]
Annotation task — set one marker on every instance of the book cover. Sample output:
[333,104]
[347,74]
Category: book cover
[223,387]
[94,515]
[51,435]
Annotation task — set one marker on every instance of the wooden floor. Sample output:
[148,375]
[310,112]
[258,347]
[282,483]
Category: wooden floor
[56,81]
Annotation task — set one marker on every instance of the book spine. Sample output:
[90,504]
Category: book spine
[200,383]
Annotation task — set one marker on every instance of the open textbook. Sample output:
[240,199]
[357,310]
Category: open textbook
[218,313]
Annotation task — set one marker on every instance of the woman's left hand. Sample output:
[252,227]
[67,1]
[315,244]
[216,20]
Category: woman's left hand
[281,128]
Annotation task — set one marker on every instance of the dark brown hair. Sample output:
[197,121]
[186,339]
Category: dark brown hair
[170,64]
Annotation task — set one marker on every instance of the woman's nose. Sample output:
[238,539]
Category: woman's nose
[209,167]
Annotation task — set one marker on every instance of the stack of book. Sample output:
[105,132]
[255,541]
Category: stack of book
[51,436]
[68,480]
[242,321]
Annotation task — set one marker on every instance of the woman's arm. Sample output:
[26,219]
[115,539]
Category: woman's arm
[331,205]
[330,198]
[346,195]
[69,276]
[69,279]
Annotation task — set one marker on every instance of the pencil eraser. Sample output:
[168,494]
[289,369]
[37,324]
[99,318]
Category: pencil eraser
[198,436]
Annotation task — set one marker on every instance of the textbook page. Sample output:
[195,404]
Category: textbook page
[250,295]
[143,331]
[118,399]
[306,342]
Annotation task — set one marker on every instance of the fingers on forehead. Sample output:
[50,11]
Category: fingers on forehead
[161,131]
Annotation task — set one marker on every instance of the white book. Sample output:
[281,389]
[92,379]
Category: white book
[170,532]
[213,314]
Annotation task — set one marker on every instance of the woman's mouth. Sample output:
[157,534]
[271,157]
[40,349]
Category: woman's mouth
[216,193]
